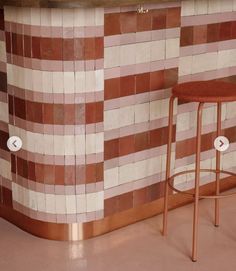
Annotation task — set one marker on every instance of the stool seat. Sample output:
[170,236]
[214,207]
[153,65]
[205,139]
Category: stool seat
[206,91]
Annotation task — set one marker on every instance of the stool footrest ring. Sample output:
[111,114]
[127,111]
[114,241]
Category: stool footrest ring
[201,170]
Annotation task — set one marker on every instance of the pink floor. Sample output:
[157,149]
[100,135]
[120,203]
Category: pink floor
[136,247]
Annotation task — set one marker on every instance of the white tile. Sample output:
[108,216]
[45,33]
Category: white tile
[69,82]
[60,204]
[214,6]
[90,81]
[172,48]
[26,15]
[185,65]
[89,16]
[155,110]
[126,116]
[158,50]
[111,177]
[141,169]
[128,54]
[226,6]
[81,203]
[111,119]
[112,57]
[26,199]
[204,62]
[79,17]
[70,204]
[143,52]
[56,17]
[35,16]
[188,8]
[4,115]
[68,17]
[58,82]
[37,81]
[231,110]
[142,112]
[41,202]
[69,145]
[99,137]
[80,82]
[91,202]
[2,51]
[47,82]
[59,145]
[223,59]
[48,144]
[90,143]
[201,7]
[99,77]
[45,16]
[99,16]
[183,122]
[154,165]
[80,144]
[32,200]
[100,200]
[126,173]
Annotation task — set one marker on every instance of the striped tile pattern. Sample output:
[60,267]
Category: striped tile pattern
[87,90]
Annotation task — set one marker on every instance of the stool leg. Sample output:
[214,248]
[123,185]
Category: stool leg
[168,163]
[197,180]
[217,201]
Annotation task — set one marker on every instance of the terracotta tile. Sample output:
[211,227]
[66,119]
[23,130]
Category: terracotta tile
[99,47]
[110,206]
[22,167]
[69,114]
[158,19]
[20,108]
[141,141]
[173,17]
[112,88]
[48,113]
[111,149]
[27,46]
[140,197]
[8,38]
[170,77]
[99,111]
[213,32]
[144,22]
[36,50]
[19,39]
[3,141]
[6,196]
[3,81]
[112,24]
[68,49]
[125,201]
[99,172]
[79,50]
[230,133]
[80,174]
[90,113]
[143,82]
[128,22]
[225,31]
[57,49]
[157,80]
[31,171]
[2,24]
[89,48]
[233,30]
[39,172]
[70,178]
[127,85]
[46,48]
[152,192]
[13,163]
[10,105]
[199,34]
[14,43]
[34,112]
[90,173]
[49,174]
[80,113]
[127,145]
[58,115]
[59,175]
[186,36]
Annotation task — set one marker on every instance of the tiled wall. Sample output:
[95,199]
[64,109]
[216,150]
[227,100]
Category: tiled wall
[87,90]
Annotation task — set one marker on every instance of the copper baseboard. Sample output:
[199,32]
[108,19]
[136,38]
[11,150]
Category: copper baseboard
[74,232]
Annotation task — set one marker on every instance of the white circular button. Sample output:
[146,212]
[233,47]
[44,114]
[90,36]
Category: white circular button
[14,143]
[221,143]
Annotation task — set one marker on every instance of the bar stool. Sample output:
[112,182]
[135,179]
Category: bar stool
[200,92]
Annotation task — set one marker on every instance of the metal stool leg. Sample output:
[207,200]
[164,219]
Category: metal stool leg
[217,201]
[168,163]
[197,181]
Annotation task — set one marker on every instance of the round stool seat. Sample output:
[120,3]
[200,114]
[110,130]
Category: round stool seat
[206,91]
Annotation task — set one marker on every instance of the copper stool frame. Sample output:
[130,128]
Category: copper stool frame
[197,171]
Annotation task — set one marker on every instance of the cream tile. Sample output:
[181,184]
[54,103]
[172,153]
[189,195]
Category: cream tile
[79,17]
[226,6]
[80,144]
[155,110]
[141,169]
[185,65]
[158,50]
[112,57]
[4,115]
[128,54]
[69,145]
[60,204]
[56,17]
[111,177]
[89,16]
[32,200]
[142,112]
[41,202]
[100,200]
[183,122]
[71,204]
[68,17]
[231,110]
[204,62]
[126,116]
[99,16]
[172,47]
[59,145]
[90,81]
[47,82]
[80,82]
[143,52]
[45,16]
[126,173]
[69,82]
[214,6]
[91,200]
[5,169]
[111,119]
[3,51]
[81,203]
[201,7]
[58,82]
[99,137]
[99,78]
[154,165]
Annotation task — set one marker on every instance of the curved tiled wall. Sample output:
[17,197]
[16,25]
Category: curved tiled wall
[87,91]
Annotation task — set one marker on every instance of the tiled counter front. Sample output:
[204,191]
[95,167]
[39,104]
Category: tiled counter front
[87,90]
